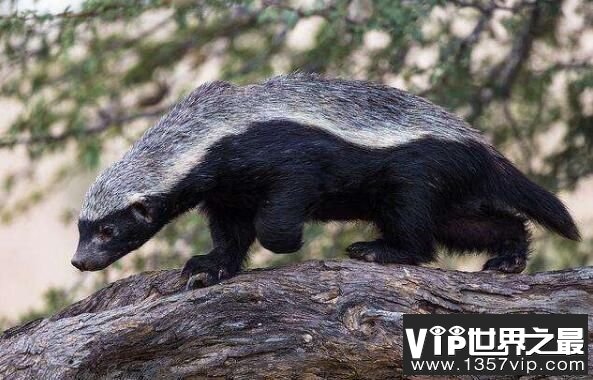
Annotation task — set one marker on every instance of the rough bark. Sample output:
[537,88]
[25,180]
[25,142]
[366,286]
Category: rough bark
[329,319]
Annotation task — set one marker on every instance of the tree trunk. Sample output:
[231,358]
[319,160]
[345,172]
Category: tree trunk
[328,319]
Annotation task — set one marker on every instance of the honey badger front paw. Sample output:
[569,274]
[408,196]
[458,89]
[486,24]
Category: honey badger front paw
[379,251]
[507,264]
[204,270]
[362,250]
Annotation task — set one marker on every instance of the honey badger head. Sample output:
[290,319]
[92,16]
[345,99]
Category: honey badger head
[154,182]
[123,209]
[118,215]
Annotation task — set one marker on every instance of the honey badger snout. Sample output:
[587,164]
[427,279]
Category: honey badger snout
[88,259]
[78,263]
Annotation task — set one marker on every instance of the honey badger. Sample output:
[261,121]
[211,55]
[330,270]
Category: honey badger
[262,160]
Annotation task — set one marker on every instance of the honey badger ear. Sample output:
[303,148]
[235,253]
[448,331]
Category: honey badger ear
[141,208]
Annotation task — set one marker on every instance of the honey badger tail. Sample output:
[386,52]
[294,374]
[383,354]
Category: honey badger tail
[543,207]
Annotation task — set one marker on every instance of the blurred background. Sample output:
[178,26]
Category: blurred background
[81,80]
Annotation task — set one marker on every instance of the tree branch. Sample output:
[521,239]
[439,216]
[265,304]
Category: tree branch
[501,78]
[340,319]
[106,121]
[492,5]
[69,14]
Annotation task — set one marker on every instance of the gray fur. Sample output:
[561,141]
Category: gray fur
[362,113]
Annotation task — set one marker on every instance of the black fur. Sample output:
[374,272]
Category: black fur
[280,175]
[269,181]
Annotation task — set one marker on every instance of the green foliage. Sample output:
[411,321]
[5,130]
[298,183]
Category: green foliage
[83,76]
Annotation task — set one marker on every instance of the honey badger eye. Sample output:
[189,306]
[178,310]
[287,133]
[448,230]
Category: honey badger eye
[106,232]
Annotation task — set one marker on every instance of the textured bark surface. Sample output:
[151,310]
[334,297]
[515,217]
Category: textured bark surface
[331,319]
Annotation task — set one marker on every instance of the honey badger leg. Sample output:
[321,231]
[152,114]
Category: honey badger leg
[232,235]
[405,224]
[280,219]
[501,234]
